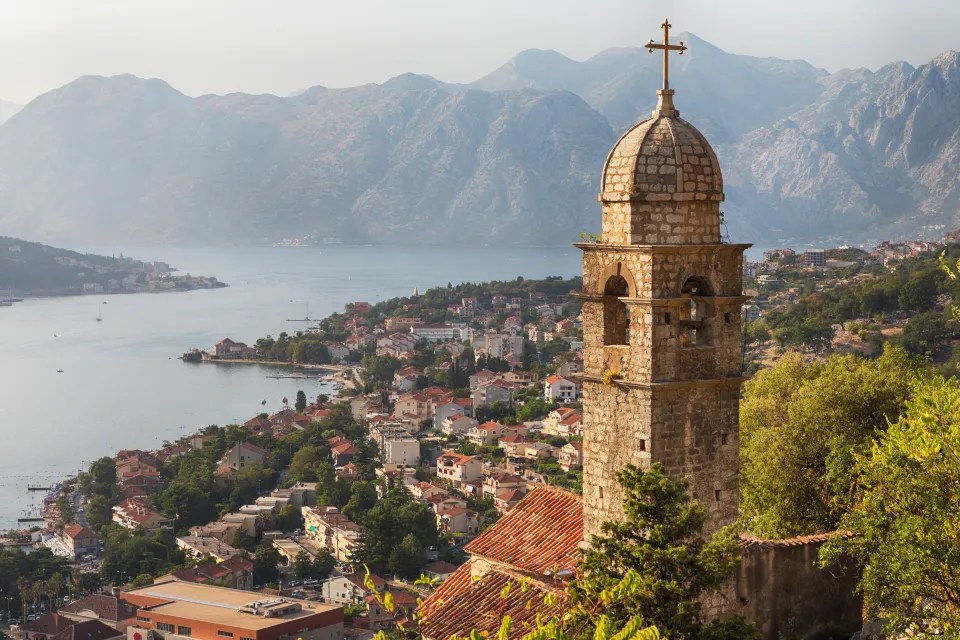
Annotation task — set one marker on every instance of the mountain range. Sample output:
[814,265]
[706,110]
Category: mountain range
[513,158]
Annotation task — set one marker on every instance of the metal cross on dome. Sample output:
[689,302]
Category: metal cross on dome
[667,48]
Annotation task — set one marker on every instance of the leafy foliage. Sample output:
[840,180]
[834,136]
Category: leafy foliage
[907,516]
[660,550]
[800,426]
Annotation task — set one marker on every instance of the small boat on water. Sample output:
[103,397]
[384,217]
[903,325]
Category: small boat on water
[99,315]
[59,370]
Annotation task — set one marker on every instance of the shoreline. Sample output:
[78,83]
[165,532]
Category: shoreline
[77,294]
[336,368]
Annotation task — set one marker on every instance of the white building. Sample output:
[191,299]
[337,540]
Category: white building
[441,333]
[559,389]
[403,452]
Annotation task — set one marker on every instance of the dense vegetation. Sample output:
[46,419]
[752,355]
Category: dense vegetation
[914,291]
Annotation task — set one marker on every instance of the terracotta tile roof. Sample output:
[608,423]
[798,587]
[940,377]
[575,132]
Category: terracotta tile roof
[749,542]
[345,448]
[441,567]
[78,530]
[48,624]
[89,630]
[237,563]
[461,604]
[456,459]
[103,606]
[542,532]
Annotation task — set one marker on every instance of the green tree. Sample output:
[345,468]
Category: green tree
[661,543]
[363,495]
[302,566]
[407,558]
[303,466]
[385,526]
[53,587]
[907,519]
[99,512]
[927,334]
[103,477]
[289,518]
[244,541]
[322,565]
[301,402]
[919,292]
[800,428]
[266,563]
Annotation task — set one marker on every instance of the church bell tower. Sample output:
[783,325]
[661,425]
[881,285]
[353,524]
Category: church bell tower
[661,297]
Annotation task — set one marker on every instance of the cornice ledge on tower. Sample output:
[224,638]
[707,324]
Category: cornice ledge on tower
[672,384]
[662,248]
[721,300]
[684,196]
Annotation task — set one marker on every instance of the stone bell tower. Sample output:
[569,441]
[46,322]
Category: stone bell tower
[661,319]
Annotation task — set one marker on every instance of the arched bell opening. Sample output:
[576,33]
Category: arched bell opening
[616,313]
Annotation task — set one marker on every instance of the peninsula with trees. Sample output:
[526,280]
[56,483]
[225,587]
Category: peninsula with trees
[31,269]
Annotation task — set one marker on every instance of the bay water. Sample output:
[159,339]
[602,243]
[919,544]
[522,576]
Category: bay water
[122,386]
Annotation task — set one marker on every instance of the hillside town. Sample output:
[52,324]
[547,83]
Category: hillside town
[461,418]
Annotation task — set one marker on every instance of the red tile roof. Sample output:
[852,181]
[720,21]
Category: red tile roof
[75,530]
[104,607]
[751,542]
[542,532]
[89,630]
[461,604]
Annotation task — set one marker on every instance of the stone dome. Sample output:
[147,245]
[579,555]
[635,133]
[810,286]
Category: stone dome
[660,159]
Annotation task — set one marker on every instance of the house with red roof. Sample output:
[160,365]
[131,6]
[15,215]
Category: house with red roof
[343,453]
[500,481]
[539,538]
[490,393]
[490,432]
[79,540]
[556,388]
[140,483]
[481,377]
[448,406]
[417,404]
[229,349]
[507,500]
[459,520]
[240,456]
[458,469]
[563,422]
[571,455]
[108,609]
[135,513]
[457,424]
[235,572]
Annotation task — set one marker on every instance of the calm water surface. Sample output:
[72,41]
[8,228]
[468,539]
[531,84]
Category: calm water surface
[122,386]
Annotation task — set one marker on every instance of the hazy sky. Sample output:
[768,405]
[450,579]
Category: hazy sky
[282,46]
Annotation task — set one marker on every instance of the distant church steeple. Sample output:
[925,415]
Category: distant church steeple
[661,307]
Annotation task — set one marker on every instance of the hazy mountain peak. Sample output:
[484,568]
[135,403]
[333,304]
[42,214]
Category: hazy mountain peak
[513,157]
[413,82]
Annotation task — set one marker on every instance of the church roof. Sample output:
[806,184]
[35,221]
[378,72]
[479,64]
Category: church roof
[661,158]
[543,532]
[461,604]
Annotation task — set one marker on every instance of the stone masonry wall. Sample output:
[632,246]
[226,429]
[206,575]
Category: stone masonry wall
[780,588]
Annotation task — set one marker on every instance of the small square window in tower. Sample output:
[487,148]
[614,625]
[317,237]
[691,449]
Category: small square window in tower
[694,329]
